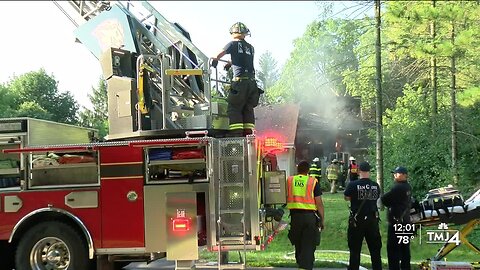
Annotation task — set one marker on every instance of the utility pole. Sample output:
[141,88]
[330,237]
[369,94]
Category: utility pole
[378,106]
[453,112]
[433,70]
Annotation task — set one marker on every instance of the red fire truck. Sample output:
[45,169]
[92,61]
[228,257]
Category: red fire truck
[163,182]
[132,200]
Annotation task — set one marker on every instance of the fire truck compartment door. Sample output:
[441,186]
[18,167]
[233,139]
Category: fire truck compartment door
[182,242]
[156,212]
[122,212]
[275,191]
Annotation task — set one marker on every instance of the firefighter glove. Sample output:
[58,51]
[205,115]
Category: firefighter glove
[214,63]
[227,66]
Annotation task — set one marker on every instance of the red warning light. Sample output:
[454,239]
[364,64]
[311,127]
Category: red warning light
[271,142]
[181,225]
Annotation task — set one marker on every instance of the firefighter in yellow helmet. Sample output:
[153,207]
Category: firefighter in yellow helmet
[244,93]
[306,215]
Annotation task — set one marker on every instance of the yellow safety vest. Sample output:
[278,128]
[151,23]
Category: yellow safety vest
[300,192]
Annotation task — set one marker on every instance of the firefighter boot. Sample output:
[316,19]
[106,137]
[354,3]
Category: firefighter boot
[247,131]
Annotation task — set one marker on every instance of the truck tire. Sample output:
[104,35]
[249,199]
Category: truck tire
[51,245]
[6,253]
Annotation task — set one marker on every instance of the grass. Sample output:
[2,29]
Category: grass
[333,245]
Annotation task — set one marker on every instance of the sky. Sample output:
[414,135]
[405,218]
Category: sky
[37,34]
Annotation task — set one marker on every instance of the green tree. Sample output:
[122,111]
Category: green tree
[268,73]
[32,109]
[314,69]
[98,117]
[41,89]
[433,71]
[6,104]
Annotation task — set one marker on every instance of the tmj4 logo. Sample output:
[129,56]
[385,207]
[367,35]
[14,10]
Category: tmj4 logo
[443,235]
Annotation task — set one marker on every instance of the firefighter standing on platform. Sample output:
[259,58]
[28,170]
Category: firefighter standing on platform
[332,175]
[306,215]
[316,169]
[363,221]
[352,173]
[244,93]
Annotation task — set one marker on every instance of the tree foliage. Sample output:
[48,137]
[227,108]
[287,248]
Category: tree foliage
[268,72]
[318,59]
[337,56]
[7,100]
[35,94]
[98,117]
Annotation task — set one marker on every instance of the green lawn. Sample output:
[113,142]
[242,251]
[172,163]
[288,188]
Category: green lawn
[333,246]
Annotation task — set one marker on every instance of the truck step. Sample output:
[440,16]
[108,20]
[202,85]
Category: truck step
[232,238]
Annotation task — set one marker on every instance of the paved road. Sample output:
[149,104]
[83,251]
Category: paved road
[163,264]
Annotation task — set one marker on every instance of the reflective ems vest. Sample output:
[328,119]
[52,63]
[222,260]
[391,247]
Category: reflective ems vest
[353,168]
[332,172]
[300,192]
[315,171]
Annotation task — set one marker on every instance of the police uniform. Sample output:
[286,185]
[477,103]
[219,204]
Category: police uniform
[363,220]
[398,201]
[244,95]
[303,233]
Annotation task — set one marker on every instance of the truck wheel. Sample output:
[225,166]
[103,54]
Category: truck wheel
[6,251]
[51,245]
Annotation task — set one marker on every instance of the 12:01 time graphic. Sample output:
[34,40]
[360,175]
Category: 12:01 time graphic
[404,232]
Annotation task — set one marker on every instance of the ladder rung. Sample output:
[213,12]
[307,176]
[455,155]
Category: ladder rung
[231,211]
[232,238]
[225,158]
[193,71]
[237,184]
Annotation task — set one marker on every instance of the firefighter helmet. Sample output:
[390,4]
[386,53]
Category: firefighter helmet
[351,158]
[239,28]
[335,160]
[316,159]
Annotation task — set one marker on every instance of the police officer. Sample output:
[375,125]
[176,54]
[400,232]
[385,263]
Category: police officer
[363,221]
[316,169]
[244,93]
[398,201]
[332,175]
[306,215]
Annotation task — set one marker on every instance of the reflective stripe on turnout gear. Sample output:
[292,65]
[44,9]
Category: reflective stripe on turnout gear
[300,192]
[354,168]
[236,126]
[315,171]
[248,125]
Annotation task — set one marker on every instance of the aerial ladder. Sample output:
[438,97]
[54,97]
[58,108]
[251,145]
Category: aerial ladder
[149,63]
